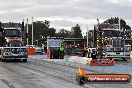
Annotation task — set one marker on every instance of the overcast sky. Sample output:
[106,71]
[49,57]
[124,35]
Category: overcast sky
[66,13]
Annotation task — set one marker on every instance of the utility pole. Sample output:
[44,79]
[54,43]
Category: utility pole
[100,40]
[23,36]
[119,24]
[27,31]
[119,42]
[32,30]
[87,36]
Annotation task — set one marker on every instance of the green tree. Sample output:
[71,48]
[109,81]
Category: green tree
[76,32]
[64,33]
[41,29]
[51,32]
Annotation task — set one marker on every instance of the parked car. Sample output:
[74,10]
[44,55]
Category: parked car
[38,50]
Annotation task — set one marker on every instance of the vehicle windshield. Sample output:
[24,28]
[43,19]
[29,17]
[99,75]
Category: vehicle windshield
[112,33]
[54,43]
[12,33]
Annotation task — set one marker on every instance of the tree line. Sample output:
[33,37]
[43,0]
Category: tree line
[42,29]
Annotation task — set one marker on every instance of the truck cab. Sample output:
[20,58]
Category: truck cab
[12,42]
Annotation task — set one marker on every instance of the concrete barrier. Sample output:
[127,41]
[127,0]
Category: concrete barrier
[83,60]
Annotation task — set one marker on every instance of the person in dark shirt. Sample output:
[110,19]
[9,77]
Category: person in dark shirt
[93,55]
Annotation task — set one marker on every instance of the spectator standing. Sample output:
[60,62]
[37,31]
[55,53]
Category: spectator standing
[62,52]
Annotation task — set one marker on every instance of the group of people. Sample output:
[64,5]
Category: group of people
[59,53]
[95,54]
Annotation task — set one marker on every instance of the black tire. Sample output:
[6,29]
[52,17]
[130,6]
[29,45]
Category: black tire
[129,80]
[81,80]
[24,60]
[2,60]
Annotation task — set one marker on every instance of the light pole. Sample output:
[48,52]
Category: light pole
[87,36]
[100,40]
[119,24]
[87,43]
[27,31]
[32,30]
